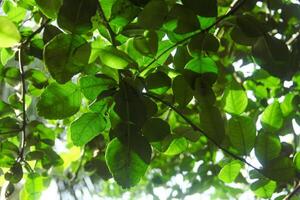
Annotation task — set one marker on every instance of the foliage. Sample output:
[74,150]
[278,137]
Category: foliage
[129,94]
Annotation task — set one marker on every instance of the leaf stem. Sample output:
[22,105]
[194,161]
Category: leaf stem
[112,34]
[293,193]
[196,128]
[184,41]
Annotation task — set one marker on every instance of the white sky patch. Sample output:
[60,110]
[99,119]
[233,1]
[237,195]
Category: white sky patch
[30,24]
[162,192]
[259,4]
[278,36]
[251,95]
[204,195]
[247,69]
[288,138]
[288,84]
[197,165]
[228,116]
[51,193]
[219,156]
[296,127]
[237,64]
[270,101]
[173,52]
[281,99]
[253,160]
[258,123]
[165,37]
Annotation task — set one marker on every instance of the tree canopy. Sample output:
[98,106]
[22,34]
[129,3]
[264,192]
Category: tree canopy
[113,97]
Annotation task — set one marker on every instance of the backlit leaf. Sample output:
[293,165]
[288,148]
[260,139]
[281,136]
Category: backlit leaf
[59,101]
[9,34]
[86,127]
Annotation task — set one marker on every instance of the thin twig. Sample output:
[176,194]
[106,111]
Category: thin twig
[234,9]
[23,90]
[293,193]
[112,34]
[196,128]
[23,93]
[28,39]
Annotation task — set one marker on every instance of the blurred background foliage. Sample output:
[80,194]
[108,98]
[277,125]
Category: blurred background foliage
[149,99]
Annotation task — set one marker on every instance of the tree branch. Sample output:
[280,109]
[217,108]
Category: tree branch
[196,128]
[293,193]
[234,9]
[23,90]
[23,94]
[28,39]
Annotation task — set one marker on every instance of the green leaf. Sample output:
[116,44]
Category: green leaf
[297,161]
[34,155]
[59,101]
[264,188]
[250,26]
[287,106]
[50,32]
[203,42]
[119,12]
[129,161]
[38,78]
[158,10]
[212,122]
[267,147]
[92,86]
[115,58]
[242,133]
[86,127]
[156,129]
[15,173]
[177,146]
[130,105]
[182,91]
[9,34]
[51,158]
[230,171]
[75,15]
[181,20]
[235,99]
[206,8]
[65,56]
[202,65]
[8,153]
[147,44]
[34,186]
[158,82]
[238,36]
[181,58]
[5,109]
[13,11]
[280,169]
[49,8]
[6,55]
[272,55]
[8,127]
[272,117]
